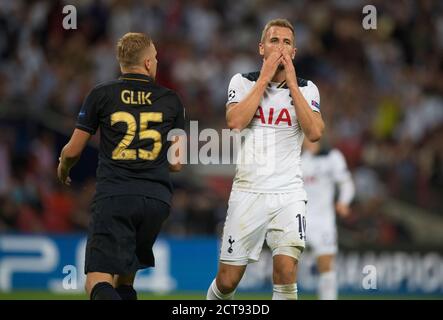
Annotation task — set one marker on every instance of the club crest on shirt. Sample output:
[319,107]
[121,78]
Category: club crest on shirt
[231,242]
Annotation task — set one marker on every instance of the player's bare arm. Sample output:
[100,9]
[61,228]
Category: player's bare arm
[346,194]
[70,154]
[311,122]
[177,142]
[238,115]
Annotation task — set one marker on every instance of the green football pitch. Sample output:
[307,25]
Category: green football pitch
[42,295]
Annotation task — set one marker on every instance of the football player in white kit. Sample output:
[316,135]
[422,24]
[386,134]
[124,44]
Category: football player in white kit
[279,110]
[323,171]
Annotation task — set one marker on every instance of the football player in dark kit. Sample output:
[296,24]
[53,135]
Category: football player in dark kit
[133,192]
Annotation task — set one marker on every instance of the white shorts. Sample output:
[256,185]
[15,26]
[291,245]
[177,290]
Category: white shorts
[322,236]
[253,218]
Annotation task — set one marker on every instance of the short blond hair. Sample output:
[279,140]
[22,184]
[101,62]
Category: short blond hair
[277,23]
[131,47]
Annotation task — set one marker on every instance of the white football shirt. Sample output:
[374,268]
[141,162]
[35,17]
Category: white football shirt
[269,158]
[322,172]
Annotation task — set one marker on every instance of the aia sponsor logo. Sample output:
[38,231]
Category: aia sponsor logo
[274,117]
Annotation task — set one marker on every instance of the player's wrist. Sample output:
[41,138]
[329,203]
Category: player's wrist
[64,172]
[262,81]
[66,165]
[292,85]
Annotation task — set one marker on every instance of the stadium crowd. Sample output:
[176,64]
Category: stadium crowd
[381,94]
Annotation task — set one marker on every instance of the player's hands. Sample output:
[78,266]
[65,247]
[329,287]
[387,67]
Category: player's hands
[342,209]
[291,77]
[270,66]
[63,174]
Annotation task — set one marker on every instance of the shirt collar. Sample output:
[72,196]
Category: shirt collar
[278,85]
[136,77]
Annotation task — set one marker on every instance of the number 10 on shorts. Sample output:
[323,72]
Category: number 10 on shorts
[301,226]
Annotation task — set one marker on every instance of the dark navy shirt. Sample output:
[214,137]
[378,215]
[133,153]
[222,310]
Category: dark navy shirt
[134,116]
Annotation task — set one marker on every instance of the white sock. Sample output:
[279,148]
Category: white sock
[327,286]
[285,292]
[215,294]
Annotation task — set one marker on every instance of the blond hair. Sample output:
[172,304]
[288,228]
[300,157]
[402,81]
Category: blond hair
[277,23]
[131,47]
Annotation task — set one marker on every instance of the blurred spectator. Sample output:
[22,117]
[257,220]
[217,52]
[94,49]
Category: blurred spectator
[58,209]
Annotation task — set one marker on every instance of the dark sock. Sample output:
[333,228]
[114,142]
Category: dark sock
[104,291]
[127,292]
